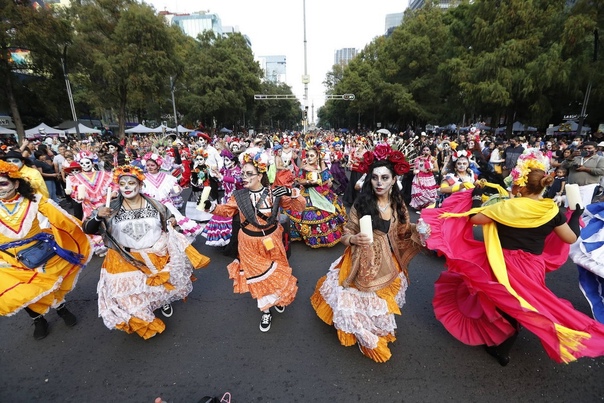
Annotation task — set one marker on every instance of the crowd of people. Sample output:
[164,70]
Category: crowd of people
[129,201]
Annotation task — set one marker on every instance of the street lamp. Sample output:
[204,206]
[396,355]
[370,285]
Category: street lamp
[69,93]
[172,83]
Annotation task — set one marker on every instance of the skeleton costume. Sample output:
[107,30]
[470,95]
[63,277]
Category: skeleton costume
[148,265]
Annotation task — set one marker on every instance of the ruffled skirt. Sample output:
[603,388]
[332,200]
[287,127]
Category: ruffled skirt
[218,231]
[129,295]
[318,228]
[366,318]
[266,275]
[423,190]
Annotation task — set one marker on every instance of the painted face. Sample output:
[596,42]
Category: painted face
[426,151]
[129,186]
[15,161]
[86,164]
[199,160]
[229,163]
[250,177]
[111,149]
[382,180]
[446,146]
[202,143]
[152,167]
[311,157]
[8,188]
[471,144]
[462,164]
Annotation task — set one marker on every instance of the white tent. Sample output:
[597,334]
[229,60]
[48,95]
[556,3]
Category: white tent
[162,129]
[42,130]
[140,129]
[83,130]
[4,130]
[517,127]
[182,129]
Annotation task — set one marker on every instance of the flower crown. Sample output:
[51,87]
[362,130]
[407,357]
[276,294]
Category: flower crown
[534,159]
[385,152]
[128,170]
[153,157]
[256,160]
[459,154]
[10,170]
[201,152]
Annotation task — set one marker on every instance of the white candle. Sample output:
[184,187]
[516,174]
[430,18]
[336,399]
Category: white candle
[108,200]
[573,196]
[205,193]
[81,192]
[313,176]
[366,227]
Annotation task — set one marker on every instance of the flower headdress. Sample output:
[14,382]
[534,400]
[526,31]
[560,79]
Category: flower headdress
[459,154]
[201,152]
[385,152]
[128,170]
[533,159]
[153,157]
[10,170]
[258,160]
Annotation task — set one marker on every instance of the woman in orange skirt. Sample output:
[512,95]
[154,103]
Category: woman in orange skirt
[365,288]
[262,268]
[36,286]
[148,265]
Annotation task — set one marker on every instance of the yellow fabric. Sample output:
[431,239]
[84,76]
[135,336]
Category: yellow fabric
[522,212]
[36,180]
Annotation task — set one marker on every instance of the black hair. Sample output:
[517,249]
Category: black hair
[366,202]
[24,189]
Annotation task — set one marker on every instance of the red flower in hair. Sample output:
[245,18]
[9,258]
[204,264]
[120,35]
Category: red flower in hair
[381,151]
[396,157]
[368,158]
[401,168]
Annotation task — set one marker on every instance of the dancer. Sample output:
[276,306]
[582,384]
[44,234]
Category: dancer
[357,168]
[149,264]
[365,287]
[219,229]
[262,268]
[164,188]
[492,288]
[27,172]
[321,222]
[424,187]
[38,267]
[337,170]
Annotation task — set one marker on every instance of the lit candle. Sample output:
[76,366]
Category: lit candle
[573,196]
[108,200]
[205,193]
[81,192]
[366,227]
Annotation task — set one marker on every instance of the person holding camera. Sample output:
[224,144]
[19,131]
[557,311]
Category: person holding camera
[585,168]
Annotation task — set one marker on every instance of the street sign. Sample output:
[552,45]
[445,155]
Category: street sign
[345,97]
[267,97]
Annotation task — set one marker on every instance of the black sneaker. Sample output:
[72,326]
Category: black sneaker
[167,310]
[265,322]
[279,309]
[41,328]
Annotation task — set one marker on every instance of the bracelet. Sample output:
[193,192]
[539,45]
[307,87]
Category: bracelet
[350,240]
[96,217]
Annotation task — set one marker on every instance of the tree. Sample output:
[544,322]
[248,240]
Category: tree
[126,55]
[42,33]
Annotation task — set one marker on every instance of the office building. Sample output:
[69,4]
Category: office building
[344,56]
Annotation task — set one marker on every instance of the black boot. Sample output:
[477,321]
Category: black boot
[41,328]
[68,317]
[502,351]
[41,325]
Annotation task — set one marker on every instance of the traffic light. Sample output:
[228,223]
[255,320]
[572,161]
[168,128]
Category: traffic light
[305,113]
[348,97]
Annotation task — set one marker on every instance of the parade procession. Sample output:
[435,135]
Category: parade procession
[280,202]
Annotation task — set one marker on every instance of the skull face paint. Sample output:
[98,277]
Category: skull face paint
[86,164]
[129,187]
[8,188]
[462,164]
[15,161]
[382,180]
[229,163]
[111,149]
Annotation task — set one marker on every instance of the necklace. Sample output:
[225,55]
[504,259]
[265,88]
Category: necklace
[382,209]
[140,204]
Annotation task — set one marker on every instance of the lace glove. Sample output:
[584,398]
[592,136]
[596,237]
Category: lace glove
[573,221]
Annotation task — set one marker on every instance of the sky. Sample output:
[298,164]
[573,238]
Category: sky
[276,27]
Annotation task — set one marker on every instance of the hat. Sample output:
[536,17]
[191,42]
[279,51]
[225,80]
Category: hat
[13,154]
[72,165]
[601,144]
[226,153]
[205,136]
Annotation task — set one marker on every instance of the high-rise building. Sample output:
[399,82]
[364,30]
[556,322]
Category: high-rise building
[344,56]
[393,21]
[275,68]
[195,23]
[444,4]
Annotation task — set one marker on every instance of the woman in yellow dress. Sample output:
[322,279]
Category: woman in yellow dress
[366,287]
[36,285]
[148,265]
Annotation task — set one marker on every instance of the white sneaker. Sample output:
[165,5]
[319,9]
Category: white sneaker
[279,309]
[167,310]
[265,322]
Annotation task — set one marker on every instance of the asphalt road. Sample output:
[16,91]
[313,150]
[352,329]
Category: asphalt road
[212,344]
